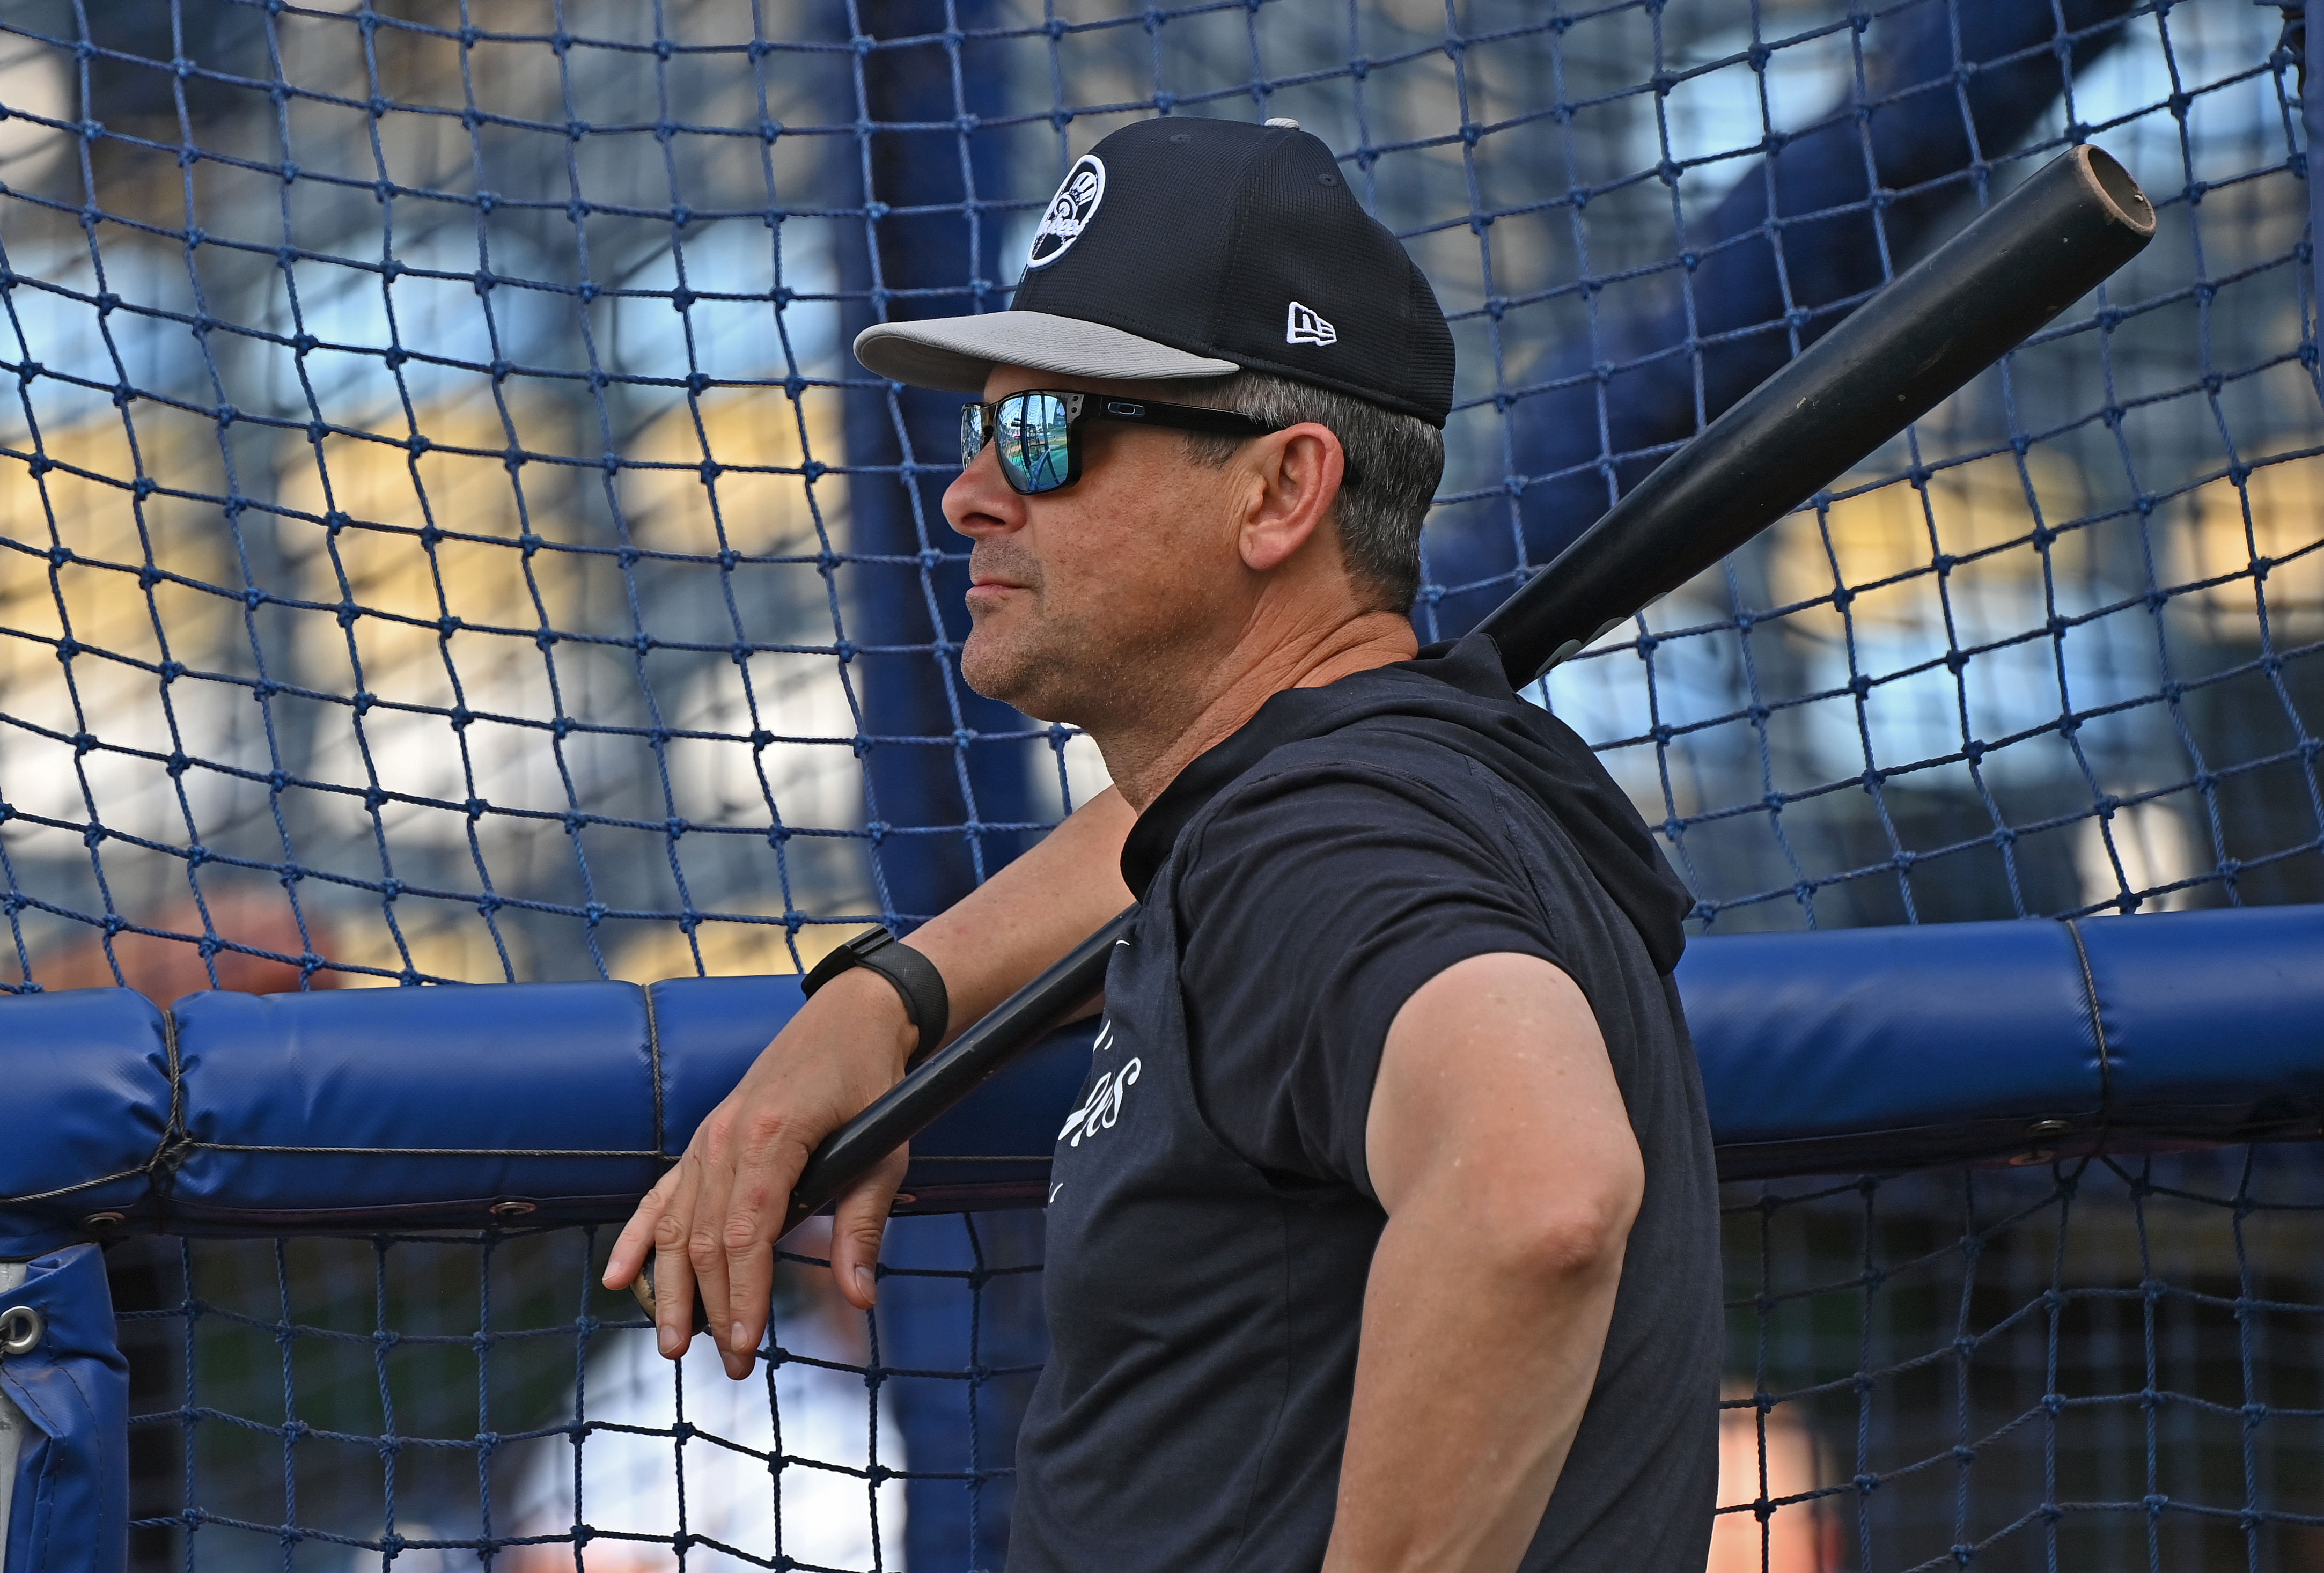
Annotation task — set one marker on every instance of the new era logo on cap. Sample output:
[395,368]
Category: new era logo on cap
[1302,326]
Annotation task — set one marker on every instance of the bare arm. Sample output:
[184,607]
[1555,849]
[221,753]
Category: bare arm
[1498,1143]
[1024,918]
[712,1220]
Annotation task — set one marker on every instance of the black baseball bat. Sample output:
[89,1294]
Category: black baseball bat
[1889,362]
[1886,365]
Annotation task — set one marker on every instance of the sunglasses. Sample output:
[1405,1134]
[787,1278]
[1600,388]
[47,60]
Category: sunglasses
[1038,434]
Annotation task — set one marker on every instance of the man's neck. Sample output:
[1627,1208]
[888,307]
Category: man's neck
[1145,755]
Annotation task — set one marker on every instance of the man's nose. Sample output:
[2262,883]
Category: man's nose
[979,502]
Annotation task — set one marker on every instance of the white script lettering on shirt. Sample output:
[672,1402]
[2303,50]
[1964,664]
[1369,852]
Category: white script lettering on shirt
[1104,1105]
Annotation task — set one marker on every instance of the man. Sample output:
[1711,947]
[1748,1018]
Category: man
[1385,1233]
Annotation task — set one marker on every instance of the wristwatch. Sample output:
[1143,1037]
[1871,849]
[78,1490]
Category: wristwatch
[914,976]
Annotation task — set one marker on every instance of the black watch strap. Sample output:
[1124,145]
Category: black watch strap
[915,976]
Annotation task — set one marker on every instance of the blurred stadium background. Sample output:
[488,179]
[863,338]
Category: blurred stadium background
[443,538]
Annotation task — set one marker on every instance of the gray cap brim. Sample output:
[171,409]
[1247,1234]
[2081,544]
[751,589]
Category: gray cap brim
[955,352]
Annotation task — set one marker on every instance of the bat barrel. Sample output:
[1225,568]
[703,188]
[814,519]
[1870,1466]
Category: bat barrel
[1889,362]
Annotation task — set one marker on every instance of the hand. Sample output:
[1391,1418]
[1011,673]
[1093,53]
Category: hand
[712,1221]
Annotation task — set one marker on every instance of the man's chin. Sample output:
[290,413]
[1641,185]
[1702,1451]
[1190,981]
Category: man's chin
[994,670]
[1032,680]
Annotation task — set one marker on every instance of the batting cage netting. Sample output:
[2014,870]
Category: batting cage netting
[444,538]
[2111,1365]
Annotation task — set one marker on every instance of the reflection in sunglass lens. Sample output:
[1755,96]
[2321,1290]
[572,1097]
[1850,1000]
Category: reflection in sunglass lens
[1033,436]
[972,434]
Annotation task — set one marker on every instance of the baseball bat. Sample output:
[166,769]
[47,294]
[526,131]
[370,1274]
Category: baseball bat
[1886,363]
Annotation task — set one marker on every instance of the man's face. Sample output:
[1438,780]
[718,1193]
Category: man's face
[1089,599]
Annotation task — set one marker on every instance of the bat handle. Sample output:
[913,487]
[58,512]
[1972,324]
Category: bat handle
[952,1072]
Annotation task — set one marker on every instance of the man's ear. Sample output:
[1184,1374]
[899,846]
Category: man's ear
[1297,471]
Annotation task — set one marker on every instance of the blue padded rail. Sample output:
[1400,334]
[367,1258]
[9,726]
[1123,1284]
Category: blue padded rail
[1878,1049]
[86,1083]
[459,1108]
[449,1108]
[299,1103]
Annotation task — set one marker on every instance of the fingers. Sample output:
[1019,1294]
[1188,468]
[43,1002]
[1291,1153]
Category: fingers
[858,1221]
[635,1241]
[711,1227]
[752,1222]
[704,1247]
[673,1269]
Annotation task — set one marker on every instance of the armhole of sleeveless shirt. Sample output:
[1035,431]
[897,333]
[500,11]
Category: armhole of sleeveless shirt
[1514,844]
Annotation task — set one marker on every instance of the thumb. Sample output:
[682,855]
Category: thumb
[858,1221]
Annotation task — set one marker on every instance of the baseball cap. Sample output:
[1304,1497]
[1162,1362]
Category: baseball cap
[1180,247]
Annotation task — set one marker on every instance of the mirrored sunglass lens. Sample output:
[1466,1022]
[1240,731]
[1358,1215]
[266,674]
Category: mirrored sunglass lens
[1033,438]
[972,434]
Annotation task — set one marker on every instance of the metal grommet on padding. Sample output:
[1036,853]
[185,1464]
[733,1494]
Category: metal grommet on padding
[2041,1137]
[22,1329]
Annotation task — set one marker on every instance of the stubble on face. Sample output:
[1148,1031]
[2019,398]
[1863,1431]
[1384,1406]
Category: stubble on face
[1018,651]
[1103,605]
[1082,621]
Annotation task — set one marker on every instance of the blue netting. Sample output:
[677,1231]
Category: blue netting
[445,538]
[432,1400]
[2094,1365]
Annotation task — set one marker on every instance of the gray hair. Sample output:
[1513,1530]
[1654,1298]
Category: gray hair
[1394,462]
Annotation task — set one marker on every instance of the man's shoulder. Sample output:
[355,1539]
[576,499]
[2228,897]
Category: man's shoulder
[1382,801]
[1421,791]
[1396,749]
[1438,740]
[1387,759]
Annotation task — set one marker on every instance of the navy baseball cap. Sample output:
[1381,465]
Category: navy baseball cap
[1196,248]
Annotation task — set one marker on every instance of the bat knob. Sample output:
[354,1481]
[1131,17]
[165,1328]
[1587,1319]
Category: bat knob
[642,1287]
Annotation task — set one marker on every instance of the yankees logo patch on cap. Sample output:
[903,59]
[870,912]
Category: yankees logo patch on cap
[1069,211]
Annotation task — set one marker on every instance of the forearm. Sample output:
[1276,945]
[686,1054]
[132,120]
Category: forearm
[1024,918]
[1476,1363]
[715,1218]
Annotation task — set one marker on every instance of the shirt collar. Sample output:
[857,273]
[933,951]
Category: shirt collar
[1285,718]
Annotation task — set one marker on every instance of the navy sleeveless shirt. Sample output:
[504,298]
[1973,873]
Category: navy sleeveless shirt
[1211,1220]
